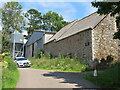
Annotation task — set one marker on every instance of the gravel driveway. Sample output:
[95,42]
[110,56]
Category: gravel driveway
[36,78]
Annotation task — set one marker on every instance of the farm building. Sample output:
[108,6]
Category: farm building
[16,44]
[89,38]
[36,42]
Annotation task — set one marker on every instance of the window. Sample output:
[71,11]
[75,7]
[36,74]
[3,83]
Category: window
[87,44]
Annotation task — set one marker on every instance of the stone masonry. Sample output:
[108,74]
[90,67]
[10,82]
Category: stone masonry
[79,45]
[103,43]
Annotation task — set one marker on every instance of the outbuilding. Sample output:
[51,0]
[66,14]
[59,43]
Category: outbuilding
[36,41]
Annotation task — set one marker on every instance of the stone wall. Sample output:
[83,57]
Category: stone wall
[79,45]
[103,43]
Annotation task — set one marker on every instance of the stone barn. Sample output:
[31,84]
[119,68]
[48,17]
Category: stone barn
[89,38]
[36,42]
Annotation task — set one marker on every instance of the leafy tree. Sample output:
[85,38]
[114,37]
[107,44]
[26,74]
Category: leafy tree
[34,21]
[109,7]
[11,18]
[53,21]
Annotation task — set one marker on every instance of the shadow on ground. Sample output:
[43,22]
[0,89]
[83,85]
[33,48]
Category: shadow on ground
[72,78]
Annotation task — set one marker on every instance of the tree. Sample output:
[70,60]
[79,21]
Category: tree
[110,7]
[53,22]
[34,21]
[11,18]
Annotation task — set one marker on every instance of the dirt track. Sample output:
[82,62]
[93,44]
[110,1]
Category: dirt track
[35,78]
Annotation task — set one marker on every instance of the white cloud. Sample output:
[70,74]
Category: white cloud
[24,32]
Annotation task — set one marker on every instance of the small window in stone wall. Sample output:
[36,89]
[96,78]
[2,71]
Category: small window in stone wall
[117,24]
[87,44]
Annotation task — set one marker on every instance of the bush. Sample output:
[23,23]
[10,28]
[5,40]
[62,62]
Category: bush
[10,74]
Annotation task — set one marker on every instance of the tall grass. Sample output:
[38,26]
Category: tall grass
[10,74]
[110,78]
[60,63]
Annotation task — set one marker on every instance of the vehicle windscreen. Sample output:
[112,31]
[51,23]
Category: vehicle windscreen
[21,59]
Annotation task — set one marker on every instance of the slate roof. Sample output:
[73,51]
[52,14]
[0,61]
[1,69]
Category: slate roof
[37,35]
[89,22]
[34,37]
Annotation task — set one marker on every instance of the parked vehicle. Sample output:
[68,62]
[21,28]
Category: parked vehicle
[22,62]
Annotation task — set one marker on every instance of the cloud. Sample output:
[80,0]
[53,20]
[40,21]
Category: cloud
[24,32]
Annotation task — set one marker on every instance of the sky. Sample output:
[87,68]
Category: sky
[69,9]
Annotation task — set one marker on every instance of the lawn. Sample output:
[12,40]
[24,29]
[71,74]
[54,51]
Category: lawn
[109,78]
[58,64]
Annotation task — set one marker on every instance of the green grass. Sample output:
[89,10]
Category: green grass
[10,74]
[58,64]
[109,78]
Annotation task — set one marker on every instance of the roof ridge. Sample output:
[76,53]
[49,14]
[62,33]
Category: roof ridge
[43,31]
[87,16]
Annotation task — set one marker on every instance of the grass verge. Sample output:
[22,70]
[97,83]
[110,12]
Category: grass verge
[10,74]
[109,78]
[58,64]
